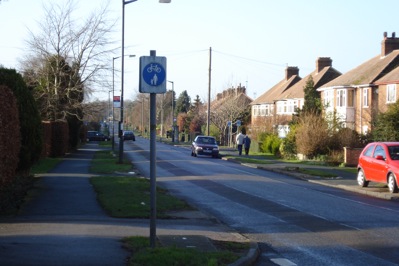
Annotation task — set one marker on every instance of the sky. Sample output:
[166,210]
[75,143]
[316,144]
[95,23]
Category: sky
[252,41]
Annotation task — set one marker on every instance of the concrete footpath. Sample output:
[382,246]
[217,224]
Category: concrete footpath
[63,224]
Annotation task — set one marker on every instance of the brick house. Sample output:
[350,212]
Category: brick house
[281,102]
[263,111]
[358,95]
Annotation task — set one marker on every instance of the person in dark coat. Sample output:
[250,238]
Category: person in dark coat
[247,144]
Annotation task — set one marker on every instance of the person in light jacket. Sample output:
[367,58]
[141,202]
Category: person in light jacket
[240,140]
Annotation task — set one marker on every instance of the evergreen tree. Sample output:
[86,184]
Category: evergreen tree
[387,124]
[183,103]
[312,102]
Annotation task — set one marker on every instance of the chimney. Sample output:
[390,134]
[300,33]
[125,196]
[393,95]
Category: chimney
[389,44]
[323,62]
[291,71]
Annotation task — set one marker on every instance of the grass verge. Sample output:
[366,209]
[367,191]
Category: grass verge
[129,197]
[228,252]
[44,165]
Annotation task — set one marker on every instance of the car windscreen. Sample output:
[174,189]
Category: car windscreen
[207,141]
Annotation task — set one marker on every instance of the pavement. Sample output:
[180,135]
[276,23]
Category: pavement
[63,224]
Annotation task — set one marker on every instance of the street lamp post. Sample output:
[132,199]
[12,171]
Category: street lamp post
[173,111]
[153,201]
[113,95]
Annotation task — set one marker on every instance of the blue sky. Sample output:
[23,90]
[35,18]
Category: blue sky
[252,40]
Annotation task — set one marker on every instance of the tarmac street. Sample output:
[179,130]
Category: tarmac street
[64,224]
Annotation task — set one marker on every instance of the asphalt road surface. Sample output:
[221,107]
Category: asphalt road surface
[295,222]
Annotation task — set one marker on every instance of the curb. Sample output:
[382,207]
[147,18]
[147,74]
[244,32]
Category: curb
[250,258]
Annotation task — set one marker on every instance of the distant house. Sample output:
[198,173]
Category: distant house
[263,108]
[284,102]
[229,106]
[358,95]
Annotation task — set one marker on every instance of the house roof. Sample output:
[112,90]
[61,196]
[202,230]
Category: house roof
[368,72]
[319,78]
[391,77]
[237,94]
[275,92]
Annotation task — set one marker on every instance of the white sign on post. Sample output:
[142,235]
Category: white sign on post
[152,74]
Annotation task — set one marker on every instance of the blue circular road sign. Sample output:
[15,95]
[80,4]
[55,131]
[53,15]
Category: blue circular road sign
[154,74]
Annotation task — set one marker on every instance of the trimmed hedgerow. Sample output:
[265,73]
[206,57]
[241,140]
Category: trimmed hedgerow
[29,119]
[10,136]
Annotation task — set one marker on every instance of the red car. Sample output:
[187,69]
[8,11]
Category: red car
[379,162]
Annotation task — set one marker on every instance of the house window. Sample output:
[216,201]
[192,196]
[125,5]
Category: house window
[391,93]
[328,98]
[255,110]
[365,97]
[262,110]
[341,98]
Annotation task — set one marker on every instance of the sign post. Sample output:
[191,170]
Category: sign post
[152,81]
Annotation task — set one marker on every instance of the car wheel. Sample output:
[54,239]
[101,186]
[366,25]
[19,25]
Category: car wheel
[393,188]
[361,179]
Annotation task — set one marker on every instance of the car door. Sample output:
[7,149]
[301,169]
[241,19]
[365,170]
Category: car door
[366,162]
[379,166]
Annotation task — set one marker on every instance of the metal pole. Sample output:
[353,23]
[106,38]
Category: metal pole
[142,117]
[113,95]
[173,111]
[153,125]
[209,92]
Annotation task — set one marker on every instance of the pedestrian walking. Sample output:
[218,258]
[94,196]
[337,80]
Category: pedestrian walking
[247,144]
[240,140]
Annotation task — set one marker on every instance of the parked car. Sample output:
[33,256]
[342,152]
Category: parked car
[129,135]
[97,136]
[379,162]
[205,145]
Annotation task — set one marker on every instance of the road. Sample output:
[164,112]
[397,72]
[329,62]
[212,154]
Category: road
[295,222]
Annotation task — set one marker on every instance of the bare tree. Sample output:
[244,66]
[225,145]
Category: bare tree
[227,109]
[67,57]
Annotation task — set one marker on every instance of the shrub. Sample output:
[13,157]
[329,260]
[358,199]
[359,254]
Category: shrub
[10,136]
[271,144]
[312,136]
[288,145]
[335,158]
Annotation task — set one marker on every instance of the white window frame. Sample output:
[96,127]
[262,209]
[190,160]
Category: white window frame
[391,93]
[328,98]
[341,98]
[366,97]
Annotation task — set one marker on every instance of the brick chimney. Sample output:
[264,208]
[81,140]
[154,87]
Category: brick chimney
[389,44]
[323,62]
[291,71]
